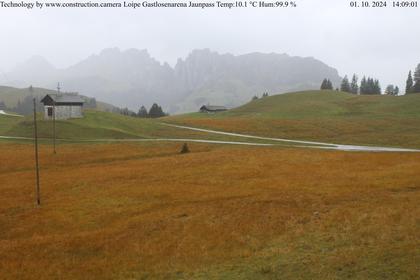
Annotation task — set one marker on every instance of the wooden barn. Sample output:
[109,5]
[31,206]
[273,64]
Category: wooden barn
[212,109]
[64,106]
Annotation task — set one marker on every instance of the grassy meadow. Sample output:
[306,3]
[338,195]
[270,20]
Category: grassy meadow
[327,116]
[101,125]
[144,211]
[11,96]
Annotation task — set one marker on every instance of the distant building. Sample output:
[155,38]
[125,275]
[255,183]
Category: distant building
[67,106]
[212,109]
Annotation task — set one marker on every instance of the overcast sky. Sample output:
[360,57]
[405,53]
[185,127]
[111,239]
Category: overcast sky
[379,42]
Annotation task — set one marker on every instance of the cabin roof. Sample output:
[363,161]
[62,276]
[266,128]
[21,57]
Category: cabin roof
[213,108]
[60,99]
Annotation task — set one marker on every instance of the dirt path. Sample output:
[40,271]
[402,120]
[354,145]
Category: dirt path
[7,114]
[307,144]
[143,140]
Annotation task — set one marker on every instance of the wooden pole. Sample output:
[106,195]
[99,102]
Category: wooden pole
[54,136]
[38,197]
[55,151]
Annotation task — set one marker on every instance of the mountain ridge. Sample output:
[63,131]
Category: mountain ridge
[132,77]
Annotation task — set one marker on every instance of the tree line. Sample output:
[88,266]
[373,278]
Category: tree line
[367,85]
[255,97]
[371,86]
[155,111]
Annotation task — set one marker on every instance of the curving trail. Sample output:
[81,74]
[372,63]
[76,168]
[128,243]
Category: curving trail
[143,140]
[308,144]
[7,114]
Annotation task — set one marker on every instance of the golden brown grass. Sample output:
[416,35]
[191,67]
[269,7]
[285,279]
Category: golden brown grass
[353,131]
[132,211]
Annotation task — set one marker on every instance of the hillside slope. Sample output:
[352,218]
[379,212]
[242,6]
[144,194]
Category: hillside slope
[97,125]
[328,116]
[11,96]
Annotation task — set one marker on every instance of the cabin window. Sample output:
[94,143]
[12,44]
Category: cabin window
[50,111]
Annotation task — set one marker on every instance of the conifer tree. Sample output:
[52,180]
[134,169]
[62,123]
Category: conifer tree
[409,83]
[376,87]
[142,113]
[156,111]
[329,85]
[345,85]
[354,87]
[416,78]
[324,84]
[363,86]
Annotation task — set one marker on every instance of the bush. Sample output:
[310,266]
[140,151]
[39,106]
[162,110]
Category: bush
[185,149]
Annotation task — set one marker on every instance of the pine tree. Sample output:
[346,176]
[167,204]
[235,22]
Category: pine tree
[396,91]
[329,85]
[376,87]
[416,87]
[363,86]
[156,111]
[142,113]
[324,84]
[370,86]
[409,83]
[354,87]
[345,85]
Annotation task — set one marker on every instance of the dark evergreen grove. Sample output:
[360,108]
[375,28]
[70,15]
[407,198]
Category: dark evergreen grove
[327,84]
[155,111]
[370,86]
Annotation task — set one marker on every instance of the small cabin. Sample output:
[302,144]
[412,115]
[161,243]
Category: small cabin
[212,109]
[62,106]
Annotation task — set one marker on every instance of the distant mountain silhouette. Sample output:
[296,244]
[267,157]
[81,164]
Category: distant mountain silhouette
[133,78]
